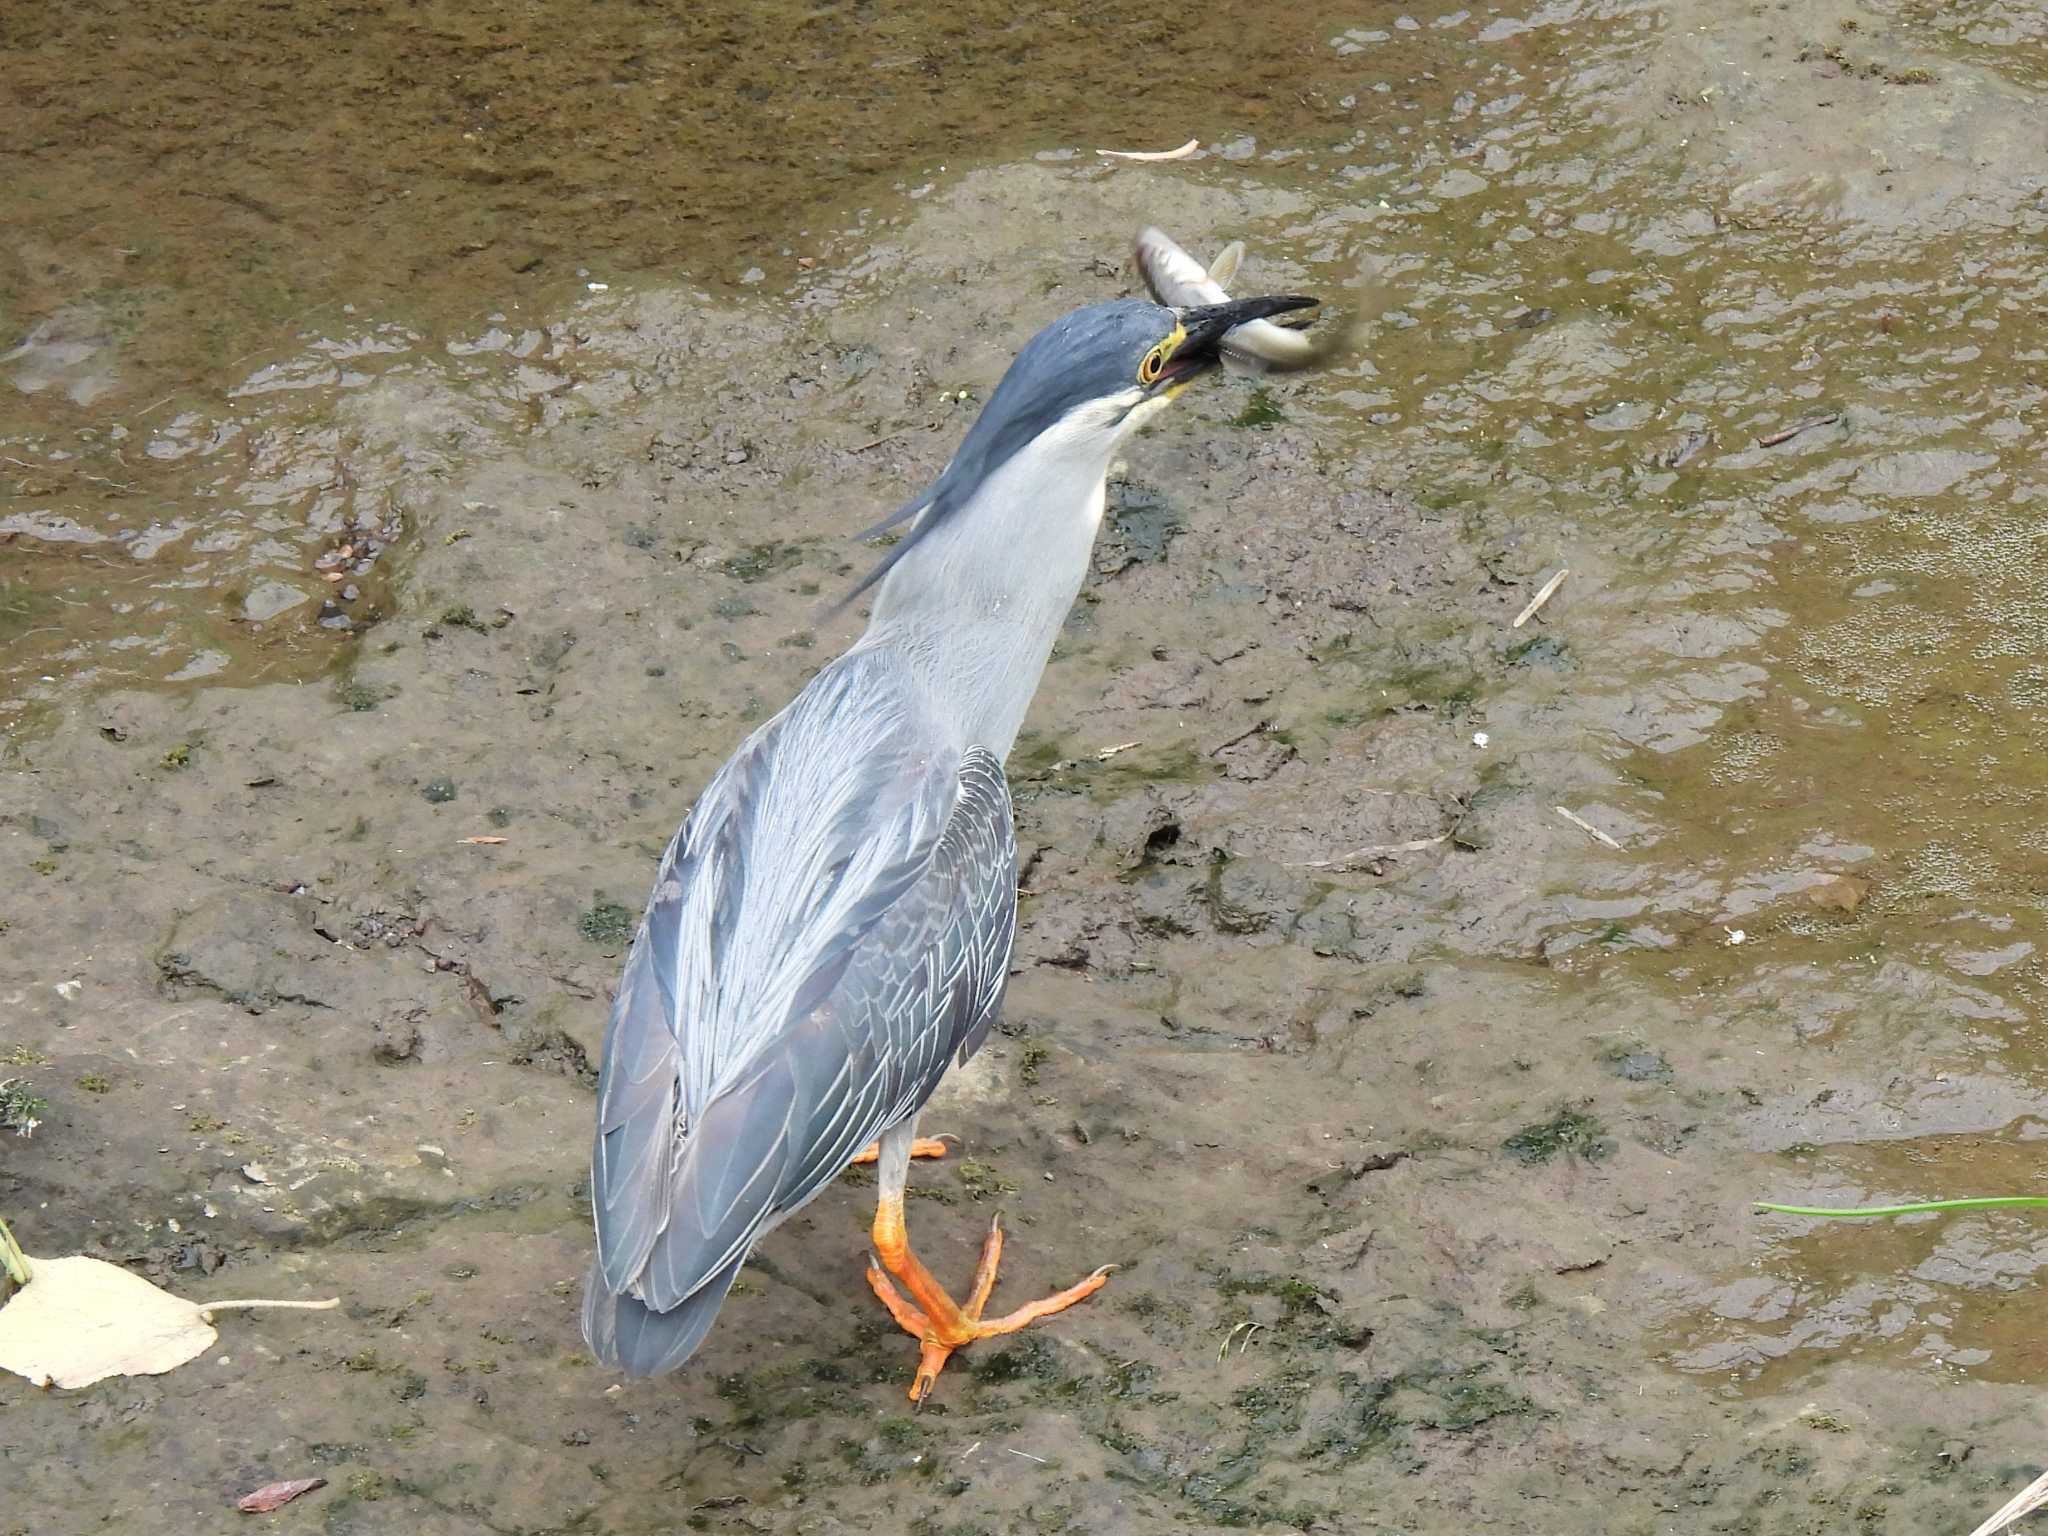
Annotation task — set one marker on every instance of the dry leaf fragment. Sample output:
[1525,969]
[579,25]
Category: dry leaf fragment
[276,1495]
[1544,595]
[81,1320]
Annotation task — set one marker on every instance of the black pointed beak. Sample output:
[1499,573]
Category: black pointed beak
[1208,324]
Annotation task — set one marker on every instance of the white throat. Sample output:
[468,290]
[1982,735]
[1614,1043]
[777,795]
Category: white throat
[976,604]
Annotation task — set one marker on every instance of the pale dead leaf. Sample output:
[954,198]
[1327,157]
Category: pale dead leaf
[81,1320]
[276,1495]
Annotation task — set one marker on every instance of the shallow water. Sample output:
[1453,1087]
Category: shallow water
[1602,253]
[1810,671]
[219,219]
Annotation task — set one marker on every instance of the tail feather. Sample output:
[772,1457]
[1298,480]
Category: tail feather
[626,1333]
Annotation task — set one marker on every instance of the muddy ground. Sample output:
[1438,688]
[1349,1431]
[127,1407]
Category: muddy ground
[1421,1125]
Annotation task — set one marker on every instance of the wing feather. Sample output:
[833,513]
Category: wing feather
[925,985]
[828,930]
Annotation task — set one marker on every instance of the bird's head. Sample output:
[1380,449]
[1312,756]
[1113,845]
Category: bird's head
[1107,367]
[1090,377]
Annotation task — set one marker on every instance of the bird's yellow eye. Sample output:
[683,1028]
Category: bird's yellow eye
[1154,364]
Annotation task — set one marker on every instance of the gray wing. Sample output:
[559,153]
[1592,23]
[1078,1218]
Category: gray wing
[921,989]
[830,927]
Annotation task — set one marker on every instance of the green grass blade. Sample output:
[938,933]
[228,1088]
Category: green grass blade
[12,1259]
[1977,1203]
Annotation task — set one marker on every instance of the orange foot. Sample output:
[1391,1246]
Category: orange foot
[938,1323]
[923,1146]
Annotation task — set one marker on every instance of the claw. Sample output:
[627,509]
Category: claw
[931,1316]
[923,1146]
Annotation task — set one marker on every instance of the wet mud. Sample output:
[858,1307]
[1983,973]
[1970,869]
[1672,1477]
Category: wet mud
[1422,1124]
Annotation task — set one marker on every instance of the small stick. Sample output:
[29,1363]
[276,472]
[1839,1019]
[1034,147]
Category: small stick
[1786,434]
[1543,595]
[1025,1454]
[69,469]
[208,1308]
[1240,736]
[1586,826]
[887,437]
[1108,752]
[1153,154]
[1373,850]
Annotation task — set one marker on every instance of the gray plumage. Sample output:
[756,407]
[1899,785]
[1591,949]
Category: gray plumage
[825,990]
[830,930]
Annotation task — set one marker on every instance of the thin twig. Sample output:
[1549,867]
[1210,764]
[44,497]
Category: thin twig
[1025,1454]
[1374,850]
[1586,827]
[208,1308]
[1153,154]
[1108,752]
[1240,736]
[68,469]
[1543,595]
[1786,434]
[889,437]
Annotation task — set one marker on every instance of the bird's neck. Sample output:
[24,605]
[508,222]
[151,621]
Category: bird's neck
[975,605]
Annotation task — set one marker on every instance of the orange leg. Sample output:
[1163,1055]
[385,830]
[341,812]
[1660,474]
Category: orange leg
[933,1318]
[924,1146]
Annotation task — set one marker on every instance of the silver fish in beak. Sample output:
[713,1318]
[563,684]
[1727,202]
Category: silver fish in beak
[1179,281]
